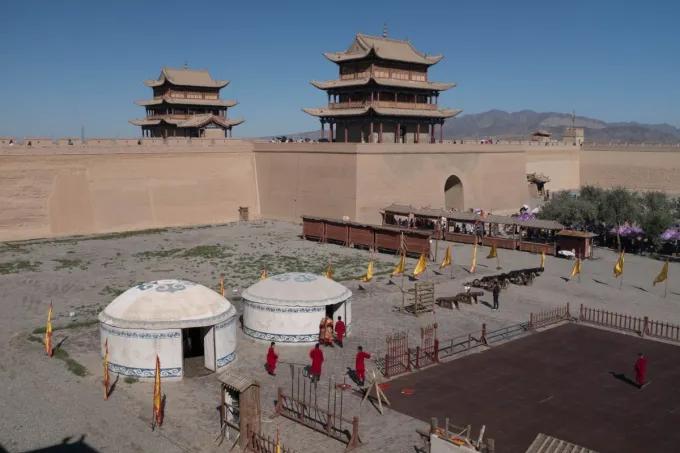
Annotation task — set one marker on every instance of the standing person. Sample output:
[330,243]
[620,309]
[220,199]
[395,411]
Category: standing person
[496,292]
[328,332]
[340,330]
[317,359]
[360,365]
[641,370]
[272,359]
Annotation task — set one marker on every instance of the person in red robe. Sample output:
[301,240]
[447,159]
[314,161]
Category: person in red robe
[272,358]
[641,370]
[360,365]
[317,359]
[340,330]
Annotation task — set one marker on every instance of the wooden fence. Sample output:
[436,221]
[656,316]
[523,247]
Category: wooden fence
[547,317]
[641,326]
[261,444]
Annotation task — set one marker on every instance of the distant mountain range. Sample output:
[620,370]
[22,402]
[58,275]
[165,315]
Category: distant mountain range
[519,125]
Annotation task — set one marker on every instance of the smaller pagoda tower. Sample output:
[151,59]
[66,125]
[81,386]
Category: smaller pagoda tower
[186,103]
[383,94]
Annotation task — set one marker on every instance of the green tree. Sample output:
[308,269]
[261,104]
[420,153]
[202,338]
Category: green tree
[619,206]
[656,216]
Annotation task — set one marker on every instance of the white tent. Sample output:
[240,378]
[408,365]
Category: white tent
[288,308]
[173,319]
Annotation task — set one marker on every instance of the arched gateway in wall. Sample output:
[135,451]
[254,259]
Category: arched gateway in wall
[453,193]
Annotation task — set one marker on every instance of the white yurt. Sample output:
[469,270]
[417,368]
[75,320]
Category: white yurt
[177,320]
[287,308]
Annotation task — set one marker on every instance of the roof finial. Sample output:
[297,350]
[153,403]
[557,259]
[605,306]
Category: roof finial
[385,30]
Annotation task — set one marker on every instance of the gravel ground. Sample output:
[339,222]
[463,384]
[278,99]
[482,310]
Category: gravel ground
[45,402]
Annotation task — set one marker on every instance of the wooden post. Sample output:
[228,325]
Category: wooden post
[483,339]
[397,136]
[645,327]
[346,132]
[354,440]
[380,133]
[371,139]
[441,132]
[417,137]
[323,131]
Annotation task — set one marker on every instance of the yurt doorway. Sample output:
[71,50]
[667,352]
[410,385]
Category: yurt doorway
[198,350]
[335,310]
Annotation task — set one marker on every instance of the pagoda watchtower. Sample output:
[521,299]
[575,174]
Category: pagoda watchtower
[383,94]
[186,103]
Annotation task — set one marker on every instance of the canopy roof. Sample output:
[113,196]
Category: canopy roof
[381,47]
[577,234]
[183,101]
[187,77]
[327,112]
[461,216]
[298,289]
[383,81]
[167,304]
[194,121]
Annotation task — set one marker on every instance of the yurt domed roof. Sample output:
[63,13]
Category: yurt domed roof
[164,304]
[297,289]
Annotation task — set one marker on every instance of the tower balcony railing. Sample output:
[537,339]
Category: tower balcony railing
[385,104]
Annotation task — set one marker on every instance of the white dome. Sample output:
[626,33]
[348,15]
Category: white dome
[167,304]
[297,289]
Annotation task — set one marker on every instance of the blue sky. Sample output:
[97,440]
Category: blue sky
[72,63]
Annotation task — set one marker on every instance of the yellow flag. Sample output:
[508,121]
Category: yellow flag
[369,273]
[263,274]
[401,266]
[618,267]
[493,253]
[542,260]
[328,273]
[157,409]
[576,270]
[447,258]
[473,266]
[106,369]
[48,332]
[421,265]
[663,275]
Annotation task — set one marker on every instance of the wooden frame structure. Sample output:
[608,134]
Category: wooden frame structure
[303,407]
[372,237]
[420,299]
[471,228]
[242,412]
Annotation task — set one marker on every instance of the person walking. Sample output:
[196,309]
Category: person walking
[272,359]
[496,291]
[360,365]
[641,370]
[340,330]
[316,355]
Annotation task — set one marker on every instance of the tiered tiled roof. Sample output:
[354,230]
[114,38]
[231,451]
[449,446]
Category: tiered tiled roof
[194,121]
[421,113]
[383,81]
[185,101]
[385,48]
[187,77]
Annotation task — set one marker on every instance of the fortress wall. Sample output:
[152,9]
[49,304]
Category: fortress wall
[635,167]
[306,178]
[560,163]
[88,189]
[493,176]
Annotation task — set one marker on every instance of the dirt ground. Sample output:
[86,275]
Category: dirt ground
[570,382]
[51,401]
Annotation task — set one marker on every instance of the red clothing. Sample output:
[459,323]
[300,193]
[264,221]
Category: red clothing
[272,358]
[340,330]
[317,359]
[641,370]
[360,365]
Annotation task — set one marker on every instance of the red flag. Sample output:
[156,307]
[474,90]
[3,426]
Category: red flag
[48,332]
[106,369]
[157,402]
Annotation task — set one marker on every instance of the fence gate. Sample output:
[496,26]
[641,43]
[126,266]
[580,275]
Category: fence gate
[427,352]
[397,356]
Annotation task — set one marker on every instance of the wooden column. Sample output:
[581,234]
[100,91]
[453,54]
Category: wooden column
[331,134]
[441,132]
[346,132]
[431,132]
[380,133]
[371,139]
[323,131]
[397,136]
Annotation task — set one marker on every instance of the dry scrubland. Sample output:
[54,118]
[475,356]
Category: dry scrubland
[45,401]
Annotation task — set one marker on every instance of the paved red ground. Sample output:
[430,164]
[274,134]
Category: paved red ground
[558,382]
